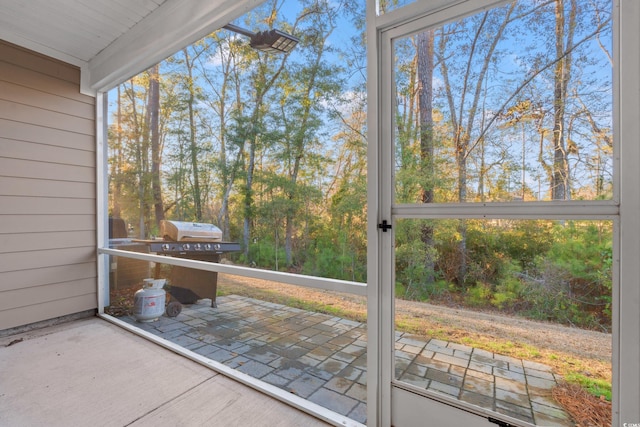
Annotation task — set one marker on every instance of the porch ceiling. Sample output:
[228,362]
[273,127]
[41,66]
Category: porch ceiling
[113,40]
[73,31]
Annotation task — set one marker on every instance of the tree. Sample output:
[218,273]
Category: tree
[265,74]
[313,83]
[486,31]
[481,82]
[564,33]
[346,195]
[116,161]
[425,51]
[156,156]
[193,140]
[137,134]
[222,82]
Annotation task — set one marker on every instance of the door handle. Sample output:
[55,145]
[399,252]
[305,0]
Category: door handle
[384,226]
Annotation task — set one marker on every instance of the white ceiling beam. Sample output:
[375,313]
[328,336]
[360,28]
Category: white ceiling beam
[171,27]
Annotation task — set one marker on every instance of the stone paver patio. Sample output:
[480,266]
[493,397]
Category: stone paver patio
[323,359]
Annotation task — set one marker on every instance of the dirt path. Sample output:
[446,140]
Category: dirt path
[566,348]
[580,342]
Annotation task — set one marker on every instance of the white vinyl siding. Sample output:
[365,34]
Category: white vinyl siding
[47,190]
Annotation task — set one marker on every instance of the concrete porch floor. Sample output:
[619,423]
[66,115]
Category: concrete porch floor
[323,359]
[90,372]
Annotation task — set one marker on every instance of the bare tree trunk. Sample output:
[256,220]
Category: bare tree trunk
[227,170]
[193,139]
[425,42]
[116,181]
[141,155]
[223,218]
[154,112]
[560,189]
[248,197]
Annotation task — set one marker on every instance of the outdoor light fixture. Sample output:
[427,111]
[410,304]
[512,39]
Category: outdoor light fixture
[273,41]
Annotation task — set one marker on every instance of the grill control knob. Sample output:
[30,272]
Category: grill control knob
[197,246]
[207,246]
[217,246]
[186,246]
[165,247]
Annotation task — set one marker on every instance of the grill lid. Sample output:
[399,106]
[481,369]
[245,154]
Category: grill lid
[181,231]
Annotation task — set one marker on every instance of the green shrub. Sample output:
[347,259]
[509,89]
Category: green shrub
[577,269]
[334,259]
[478,295]
[508,293]
[550,299]
[400,290]
[263,254]
[413,262]
[426,292]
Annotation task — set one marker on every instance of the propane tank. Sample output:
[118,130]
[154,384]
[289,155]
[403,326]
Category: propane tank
[148,302]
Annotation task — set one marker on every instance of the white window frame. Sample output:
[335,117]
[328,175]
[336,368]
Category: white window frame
[623,209]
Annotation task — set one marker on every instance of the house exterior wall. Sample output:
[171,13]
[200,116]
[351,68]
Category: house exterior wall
[47,190]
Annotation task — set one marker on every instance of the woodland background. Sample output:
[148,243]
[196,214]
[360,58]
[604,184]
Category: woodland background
[511,104]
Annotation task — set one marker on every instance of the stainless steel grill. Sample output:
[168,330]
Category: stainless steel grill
[192,240]
[181,231]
